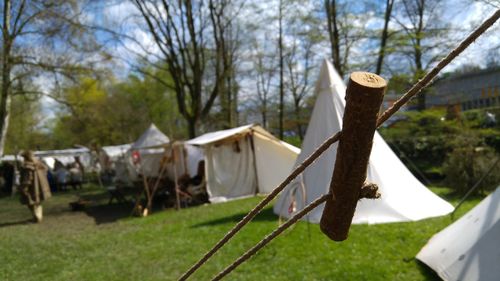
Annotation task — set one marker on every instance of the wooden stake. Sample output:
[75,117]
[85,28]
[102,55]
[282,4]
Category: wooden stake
[364,95]
[176,182]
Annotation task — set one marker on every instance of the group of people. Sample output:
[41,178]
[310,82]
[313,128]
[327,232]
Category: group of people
[66,175]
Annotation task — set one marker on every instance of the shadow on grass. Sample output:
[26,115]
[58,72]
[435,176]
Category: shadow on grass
[4,194]
[109,213]
[266,215]
[14,223]
[101,211]
[426,271]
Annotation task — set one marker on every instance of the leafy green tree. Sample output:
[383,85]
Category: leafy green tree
[115,112]
[40,38]
[424,137]
[24,130]
[469,162]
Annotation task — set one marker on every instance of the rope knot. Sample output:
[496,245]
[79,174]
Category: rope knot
[369,190]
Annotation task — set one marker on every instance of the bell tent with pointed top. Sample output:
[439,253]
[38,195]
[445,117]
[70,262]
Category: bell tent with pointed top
[150,139]
[404,198]
[149,147]
[469,248]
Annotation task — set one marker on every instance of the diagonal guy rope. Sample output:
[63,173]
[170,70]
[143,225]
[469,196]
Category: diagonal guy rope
[417,88]
[271,236]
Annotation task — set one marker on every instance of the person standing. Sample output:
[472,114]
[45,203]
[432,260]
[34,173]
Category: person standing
[34,187]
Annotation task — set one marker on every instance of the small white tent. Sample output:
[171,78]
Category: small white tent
[115,152]
[244,161]
[404,198]
[145,154]
[468,249]
[114,157]
[65,156]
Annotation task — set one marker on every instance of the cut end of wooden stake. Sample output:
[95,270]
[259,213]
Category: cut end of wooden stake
[369,80]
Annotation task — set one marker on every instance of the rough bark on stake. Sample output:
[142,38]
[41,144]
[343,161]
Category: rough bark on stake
[364,95]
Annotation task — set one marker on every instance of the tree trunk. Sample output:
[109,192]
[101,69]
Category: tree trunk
[383,39]
[191,127]
[282,86]
[4,118]
[418,54]
[5,98]
[264,113]
[298,119]
[333,34]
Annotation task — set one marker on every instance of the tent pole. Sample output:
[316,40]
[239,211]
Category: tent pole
[184,159]
[163,169]
[177,199]
[252,146]
[147,191]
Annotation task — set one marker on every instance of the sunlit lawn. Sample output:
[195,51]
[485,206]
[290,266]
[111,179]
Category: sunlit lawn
[105,243]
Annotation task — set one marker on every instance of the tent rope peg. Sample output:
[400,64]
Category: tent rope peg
[364,96]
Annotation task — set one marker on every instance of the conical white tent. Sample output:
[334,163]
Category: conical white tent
[404,198]
[146,153]
[152,138]
[244,161]
[468,249]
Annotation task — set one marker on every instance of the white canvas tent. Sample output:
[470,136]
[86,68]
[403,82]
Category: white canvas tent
[468,249]
[186,161]
[404,198]
[65,156]
[115,152]
[114,158]
[244,161]
[11,158]
[150,150]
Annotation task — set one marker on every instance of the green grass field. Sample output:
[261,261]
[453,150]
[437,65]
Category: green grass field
[105,243]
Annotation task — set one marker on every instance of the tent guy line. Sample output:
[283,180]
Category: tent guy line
[248,254]
[417,88]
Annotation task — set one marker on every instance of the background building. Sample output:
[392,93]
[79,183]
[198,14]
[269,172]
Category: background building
[467,91]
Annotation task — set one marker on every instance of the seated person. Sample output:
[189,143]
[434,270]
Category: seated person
[75,175]
[200,174]
[62,176]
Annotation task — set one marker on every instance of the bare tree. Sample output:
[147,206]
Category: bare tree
[190,36]
[345,29]
[226,34]
[281,68]
[426,36]
[384,36]
[299,66]
[264,71]
[331,9]
[300,62]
